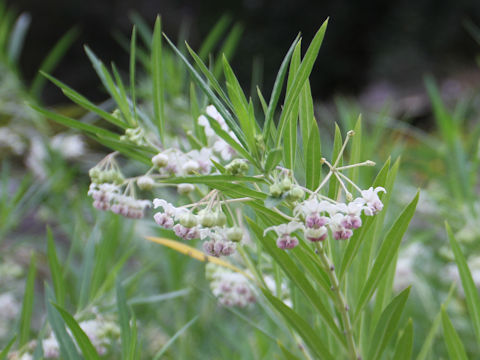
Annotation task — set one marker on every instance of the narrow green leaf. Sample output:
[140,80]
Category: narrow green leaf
[124,319]
[55,269]
[210,95]
[210,77]
[277,90]
[387,325]
[337,146]
[167,345]
[75,124]
[297,277]
[471,293]
[290,138]
[84,102]
[68,350]
[301,77]
[27,306]
[387,252]
[158,79]
[88,350]
[429,339]
[273,158]
[404,347]
[309,335]
[452,340]
[6,349]
[313,156]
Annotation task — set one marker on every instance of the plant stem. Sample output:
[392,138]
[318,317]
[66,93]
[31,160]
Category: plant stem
[339,302]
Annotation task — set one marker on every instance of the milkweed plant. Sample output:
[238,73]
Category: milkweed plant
[246,187]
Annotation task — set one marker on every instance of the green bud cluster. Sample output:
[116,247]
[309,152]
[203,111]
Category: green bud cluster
[237,167]
[101,176]
[287,189]
[135,135]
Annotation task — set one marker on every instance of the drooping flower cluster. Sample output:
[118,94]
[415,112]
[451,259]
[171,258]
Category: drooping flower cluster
[206,224]
[108,197]
[316,218]
[229,287]
[106,191]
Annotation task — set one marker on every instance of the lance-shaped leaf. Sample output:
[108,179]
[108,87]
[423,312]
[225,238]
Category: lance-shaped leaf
[387,252]
[455,346]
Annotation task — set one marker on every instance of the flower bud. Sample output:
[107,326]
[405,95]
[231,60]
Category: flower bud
[286,184]
[191,167]
[295,194]
[184,189]
[145,183]
[188,220]
[275,190]
[94,174]
[235,234]
[315,235]
[160,160]
[220,219]
[207,219]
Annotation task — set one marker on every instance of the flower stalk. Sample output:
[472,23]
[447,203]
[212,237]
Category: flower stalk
[340,302]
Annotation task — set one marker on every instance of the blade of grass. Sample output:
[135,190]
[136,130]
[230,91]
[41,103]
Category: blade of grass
[165,347]
[471,293]
[27,306]
[88,350]
[158,79]
[55,269]
[454,344]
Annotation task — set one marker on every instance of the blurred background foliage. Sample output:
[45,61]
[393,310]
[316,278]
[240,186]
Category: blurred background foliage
[374,48]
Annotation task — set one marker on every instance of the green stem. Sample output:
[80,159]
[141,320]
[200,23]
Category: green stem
[339,302]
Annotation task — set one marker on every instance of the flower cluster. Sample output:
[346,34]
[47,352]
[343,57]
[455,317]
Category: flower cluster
[229,287]
[173,162]
[317,217]
[108,197]
[206,224]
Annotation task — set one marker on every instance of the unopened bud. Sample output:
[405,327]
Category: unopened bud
[145,183]
[370,163]
[275,190]
[286,184]
[207,219]
[351,133]
[160,160]
[295,194]
[188,220]
[185,188]
[235,234]
[220,219]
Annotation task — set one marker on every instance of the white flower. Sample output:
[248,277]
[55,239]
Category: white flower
[371,199]
[313,206]
[283,229]
[169,209]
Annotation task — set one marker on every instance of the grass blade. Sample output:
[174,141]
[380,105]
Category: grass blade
[158,79]
[174,337]
[471,293]
[27,306]
[88,350]
[452,340]
[55,269]
[404,348]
